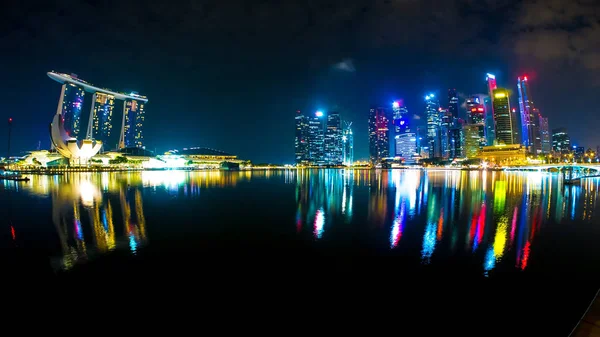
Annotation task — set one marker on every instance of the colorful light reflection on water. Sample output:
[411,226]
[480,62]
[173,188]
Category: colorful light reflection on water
[494,218]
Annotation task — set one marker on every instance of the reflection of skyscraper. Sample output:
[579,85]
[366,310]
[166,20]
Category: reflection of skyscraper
[71,108]
[432,107]
[103,106]
[503,117]
[378,135]
[333,139]
[347,144]
[301,139]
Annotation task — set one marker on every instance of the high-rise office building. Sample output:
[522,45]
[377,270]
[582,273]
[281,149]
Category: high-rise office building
[490,124]
[301,139]
[471,103]
[530,131]
[102,116]
[472,140]
[401,122]
[446,124]
[432,113]
[561,142]
[347,144]
[333,139]
[503,117]
[379,145]
[490,79]
[545,135]
[133,124]
[457,140]
[316,138]
[72,104]
[490,128]
[453,103]
[405,139]
[476,114]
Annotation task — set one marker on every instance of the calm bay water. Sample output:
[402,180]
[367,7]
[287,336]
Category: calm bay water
[479,225]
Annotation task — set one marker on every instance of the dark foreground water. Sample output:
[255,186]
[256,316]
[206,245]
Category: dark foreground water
[518,251]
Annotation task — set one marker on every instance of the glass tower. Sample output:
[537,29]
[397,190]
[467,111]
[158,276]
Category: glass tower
[103,109]
[333,139]
[530,131]
[301,139]
[545,135]
[453,103]
[432,107]
[316,138]
[502,117]
[71,108]
[561,142]
[347,144]
[134,123]
[379,143]
[405,139]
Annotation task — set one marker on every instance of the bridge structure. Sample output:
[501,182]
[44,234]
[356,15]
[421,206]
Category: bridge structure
[570,171]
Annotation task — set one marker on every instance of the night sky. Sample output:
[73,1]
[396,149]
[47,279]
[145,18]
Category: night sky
[230,74]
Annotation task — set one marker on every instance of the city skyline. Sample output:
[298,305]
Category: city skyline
[202,74]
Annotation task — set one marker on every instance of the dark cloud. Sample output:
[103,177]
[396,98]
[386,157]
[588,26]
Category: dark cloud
[559,31]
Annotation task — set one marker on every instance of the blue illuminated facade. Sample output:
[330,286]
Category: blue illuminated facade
[72,103]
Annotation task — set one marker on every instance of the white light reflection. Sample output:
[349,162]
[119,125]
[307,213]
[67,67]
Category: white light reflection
[319,223]
[168,179]
[87,192]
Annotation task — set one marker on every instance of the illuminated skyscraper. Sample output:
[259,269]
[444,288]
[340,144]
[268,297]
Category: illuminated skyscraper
[490,128]
[333,139]
[503,117]
[530,132]
[301,139]
[316,138]
[490,118]
[561,142]
[491,83]
[102,116]
[379,142]
[99,126]
[446,123]
[545,135]
[457,139]
[347,144]
[472,138]
[476,116]
[71,108]
[133,124]
[405,139]
[453,103]
[432,113]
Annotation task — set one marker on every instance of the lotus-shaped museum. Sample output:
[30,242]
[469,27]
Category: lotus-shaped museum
[78,153]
